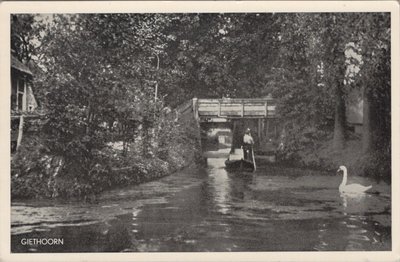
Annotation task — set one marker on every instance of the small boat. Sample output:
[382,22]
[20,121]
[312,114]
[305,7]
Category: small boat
[239,165]
[235,161]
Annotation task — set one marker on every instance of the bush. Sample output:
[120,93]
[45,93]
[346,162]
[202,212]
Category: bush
[37,172]
[31,169]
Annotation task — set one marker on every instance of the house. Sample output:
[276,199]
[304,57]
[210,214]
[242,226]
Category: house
[22,98]
[23,102]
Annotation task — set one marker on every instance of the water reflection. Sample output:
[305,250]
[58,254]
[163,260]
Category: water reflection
[323,237]
[274,209]
[219,184]
[355,200]
[358,234]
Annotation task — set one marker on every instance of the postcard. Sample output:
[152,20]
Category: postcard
[200,131]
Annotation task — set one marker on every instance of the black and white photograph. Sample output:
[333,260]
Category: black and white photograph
[199,131]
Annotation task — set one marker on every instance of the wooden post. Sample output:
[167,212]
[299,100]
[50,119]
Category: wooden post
[20,131]
[24,97]
[195,108]
[17,95]
[234,134]
[263,129]
[266,110]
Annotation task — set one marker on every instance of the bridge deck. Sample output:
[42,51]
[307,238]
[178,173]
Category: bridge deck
[236,108]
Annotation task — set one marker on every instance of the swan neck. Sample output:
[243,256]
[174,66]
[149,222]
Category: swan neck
[344,181]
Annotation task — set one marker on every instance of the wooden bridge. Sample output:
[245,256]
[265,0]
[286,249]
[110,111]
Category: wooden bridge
[220,110]
[258,114]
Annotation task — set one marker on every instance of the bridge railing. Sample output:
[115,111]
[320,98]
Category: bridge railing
[236,108]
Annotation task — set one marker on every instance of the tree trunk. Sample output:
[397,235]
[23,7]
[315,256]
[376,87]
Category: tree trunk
[370,122]
[339,134]
[20,131]
[124,141]
[366,134]
[146,138]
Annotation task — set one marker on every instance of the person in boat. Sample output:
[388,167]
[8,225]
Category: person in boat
[248,143]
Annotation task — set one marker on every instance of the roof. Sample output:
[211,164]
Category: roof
[16,64]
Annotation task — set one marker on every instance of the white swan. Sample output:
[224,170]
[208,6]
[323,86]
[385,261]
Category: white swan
[352,188]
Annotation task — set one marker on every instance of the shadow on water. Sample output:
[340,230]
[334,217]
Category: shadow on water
[211,209]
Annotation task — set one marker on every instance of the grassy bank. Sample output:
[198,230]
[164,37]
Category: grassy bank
[325,157]
[37,172]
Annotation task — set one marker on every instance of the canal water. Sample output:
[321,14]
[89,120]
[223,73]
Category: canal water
[210,209]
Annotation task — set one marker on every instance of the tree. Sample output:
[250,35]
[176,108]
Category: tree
[375,46]
[336,39]
[106,68]
[98,71]
[22,34]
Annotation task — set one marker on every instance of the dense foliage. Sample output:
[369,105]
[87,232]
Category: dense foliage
[107,78]
[97,90]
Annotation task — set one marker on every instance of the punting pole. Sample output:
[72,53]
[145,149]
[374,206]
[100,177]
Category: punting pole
[254,160]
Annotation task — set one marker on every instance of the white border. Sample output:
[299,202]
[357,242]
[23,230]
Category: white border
[6,8]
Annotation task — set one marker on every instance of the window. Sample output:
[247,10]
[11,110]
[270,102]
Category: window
[20,94]
[20,85]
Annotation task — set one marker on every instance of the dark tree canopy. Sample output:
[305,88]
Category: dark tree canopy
[106,67]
